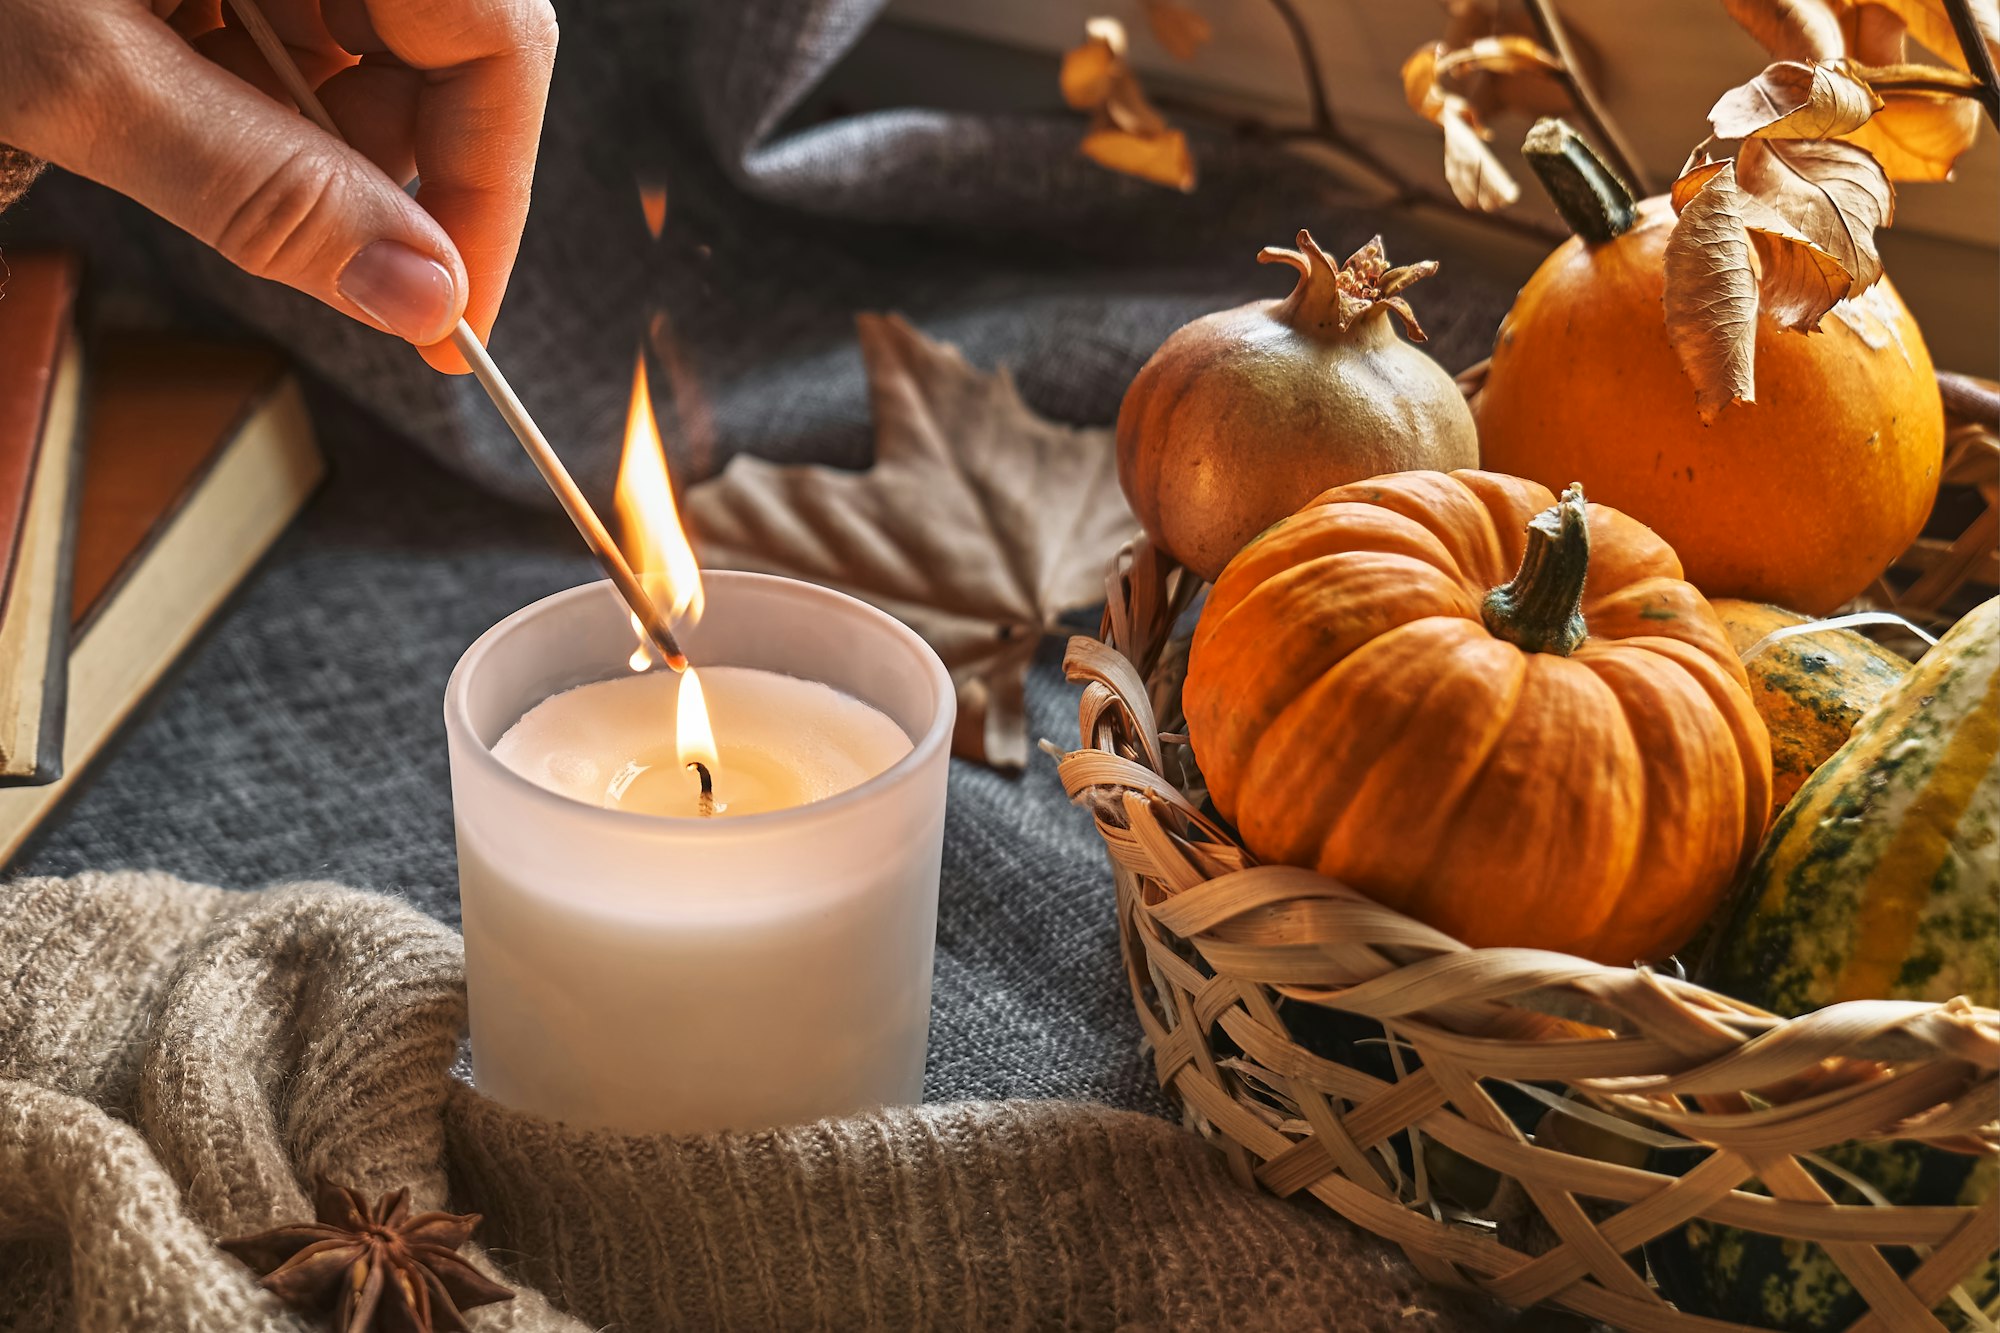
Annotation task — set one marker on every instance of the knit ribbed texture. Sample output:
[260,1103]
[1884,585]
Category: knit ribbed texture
[175,1060]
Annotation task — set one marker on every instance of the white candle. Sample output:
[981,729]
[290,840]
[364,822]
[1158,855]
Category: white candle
[632,967]
[779,742]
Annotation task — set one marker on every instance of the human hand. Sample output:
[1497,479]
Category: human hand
[167,103]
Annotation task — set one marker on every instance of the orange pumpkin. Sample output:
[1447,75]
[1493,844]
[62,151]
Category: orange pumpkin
[1533,760]
[1801,498]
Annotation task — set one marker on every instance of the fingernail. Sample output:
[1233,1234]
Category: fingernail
[408,293]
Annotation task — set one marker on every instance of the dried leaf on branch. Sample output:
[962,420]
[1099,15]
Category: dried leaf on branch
[1835,55]
[1507,68]
[1919,135]
[1927,115]
[1811,147]
[1507,53]
[1477,178]
[1711,291]
[1127,133]
[1831,192]
[1930,23]
[1795,100]
[1874,35]
[1803,30]
[1788,225]
[1180,29]
[979,524]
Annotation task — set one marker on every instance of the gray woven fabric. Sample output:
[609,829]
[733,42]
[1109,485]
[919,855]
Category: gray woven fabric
[304,739]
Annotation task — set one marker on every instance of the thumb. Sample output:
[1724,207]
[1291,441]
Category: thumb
[269,190]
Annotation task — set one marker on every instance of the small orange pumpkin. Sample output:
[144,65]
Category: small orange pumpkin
[1533,760]
[1801,498]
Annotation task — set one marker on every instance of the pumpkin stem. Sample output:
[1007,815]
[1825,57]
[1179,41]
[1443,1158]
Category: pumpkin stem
[1331,298]
[1541,607]
[1594,203]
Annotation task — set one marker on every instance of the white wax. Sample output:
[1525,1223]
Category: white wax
[779,742]
[682,975]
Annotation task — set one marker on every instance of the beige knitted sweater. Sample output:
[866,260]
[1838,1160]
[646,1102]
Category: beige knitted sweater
[175,1059]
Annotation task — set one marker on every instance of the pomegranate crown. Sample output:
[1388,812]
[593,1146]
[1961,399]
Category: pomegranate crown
[1334,297]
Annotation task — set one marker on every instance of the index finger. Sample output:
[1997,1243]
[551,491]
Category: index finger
[485,66]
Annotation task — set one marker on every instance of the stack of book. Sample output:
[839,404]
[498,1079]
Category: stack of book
[141,479]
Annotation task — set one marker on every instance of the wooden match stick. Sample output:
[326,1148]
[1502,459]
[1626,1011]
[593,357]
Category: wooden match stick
[652,621]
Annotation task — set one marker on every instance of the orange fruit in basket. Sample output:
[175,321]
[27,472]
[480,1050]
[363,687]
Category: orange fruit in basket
[1507,716]
[1802,497]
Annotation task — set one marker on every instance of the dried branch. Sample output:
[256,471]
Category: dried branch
[1977,57]
[1555,36]
[1325,127]
[1948,87]
[1322,106]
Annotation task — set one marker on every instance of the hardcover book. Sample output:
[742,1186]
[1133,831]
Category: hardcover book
[41,392]
[198,455]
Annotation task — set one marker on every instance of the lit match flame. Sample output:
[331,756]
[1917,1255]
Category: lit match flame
[651,527]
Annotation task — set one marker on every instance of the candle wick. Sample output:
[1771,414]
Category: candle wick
[705,803]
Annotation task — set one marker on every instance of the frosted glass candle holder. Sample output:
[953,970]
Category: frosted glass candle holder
[678,975]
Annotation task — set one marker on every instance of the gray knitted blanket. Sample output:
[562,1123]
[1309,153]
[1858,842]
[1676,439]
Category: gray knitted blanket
[175,1059]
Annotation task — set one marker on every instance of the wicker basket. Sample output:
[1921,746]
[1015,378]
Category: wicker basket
[1239,971]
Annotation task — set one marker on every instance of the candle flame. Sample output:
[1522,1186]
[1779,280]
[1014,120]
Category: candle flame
[653,539]
[694,739]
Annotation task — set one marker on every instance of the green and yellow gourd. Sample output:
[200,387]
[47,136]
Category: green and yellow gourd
[1881,880]
[1810,689]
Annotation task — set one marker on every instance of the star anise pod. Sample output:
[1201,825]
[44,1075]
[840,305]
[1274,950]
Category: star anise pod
[379,1269]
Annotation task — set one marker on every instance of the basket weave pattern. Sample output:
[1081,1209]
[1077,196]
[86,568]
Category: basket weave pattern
[1223,955]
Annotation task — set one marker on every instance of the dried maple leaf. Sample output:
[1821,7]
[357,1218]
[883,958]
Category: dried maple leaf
[1180,29]
[1505,72]
[377,1268]
[1477,179]
[1127,133]
[979,524]
[1921,130]
[1811,202]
